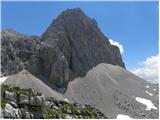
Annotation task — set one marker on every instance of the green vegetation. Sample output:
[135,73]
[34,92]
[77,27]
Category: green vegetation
[75,110]
[17,90]
[3,103]
[51,113]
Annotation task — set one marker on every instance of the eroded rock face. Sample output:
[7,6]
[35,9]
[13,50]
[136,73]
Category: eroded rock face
[70,46]
[18,52]
[81,42]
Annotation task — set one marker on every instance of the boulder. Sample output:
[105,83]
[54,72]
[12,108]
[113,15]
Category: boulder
[10,96]
[36,101]
[23,99]
[11,112]
[68,117]
[29,115]
[14,104]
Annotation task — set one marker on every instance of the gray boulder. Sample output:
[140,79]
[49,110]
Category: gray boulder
[36,101]
[11,112]
[68,117]
[14,104]
[10,96]
[23,99]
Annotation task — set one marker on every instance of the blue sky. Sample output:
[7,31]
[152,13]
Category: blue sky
[132,24]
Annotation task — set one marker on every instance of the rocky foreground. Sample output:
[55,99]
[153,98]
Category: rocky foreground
[24,103]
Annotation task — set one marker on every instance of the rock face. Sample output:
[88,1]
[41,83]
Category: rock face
[70,46]
[81,43]
[18,52]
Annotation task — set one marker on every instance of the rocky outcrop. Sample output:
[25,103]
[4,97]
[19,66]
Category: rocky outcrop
[18,52]
[31,105]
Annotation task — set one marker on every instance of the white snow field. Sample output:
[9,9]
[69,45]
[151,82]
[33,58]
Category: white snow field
[2,79]
[146,102]
[123,117]
[154,89]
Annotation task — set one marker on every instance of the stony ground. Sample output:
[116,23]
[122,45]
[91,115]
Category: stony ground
[113,90]
[24,103]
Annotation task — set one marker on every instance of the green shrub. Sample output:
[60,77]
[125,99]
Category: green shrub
[50,113]
[17,90]
[3,103]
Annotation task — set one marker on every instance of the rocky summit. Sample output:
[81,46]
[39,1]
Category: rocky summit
[71,60]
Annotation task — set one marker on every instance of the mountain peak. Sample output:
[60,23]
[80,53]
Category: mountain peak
[81,43]
[76,11]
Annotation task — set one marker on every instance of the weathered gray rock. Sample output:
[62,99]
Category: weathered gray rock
[18,51]
[36,101]
[54,65]
[11,96]
[68,117]
[81,44]
[54,107]
[11,112]
[63,101]
[29,115]
[14,104]
[23,99]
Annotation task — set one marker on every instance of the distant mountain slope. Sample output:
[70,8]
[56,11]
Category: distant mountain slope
[113,90]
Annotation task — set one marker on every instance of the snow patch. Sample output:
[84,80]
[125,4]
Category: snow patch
[154,89]
[121,116]
[146,102]
[147,86]
[149,93]
[2,79]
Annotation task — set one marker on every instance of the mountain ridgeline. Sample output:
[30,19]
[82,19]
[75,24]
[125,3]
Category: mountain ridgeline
[71,46]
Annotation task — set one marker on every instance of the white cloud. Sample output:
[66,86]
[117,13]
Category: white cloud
[149,69]
[117,44]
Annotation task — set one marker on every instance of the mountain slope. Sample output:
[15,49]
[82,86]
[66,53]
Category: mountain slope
[26,80]
[113,90]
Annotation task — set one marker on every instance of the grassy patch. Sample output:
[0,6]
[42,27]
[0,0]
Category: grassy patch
[17,90]
[50,113]
[3,103]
